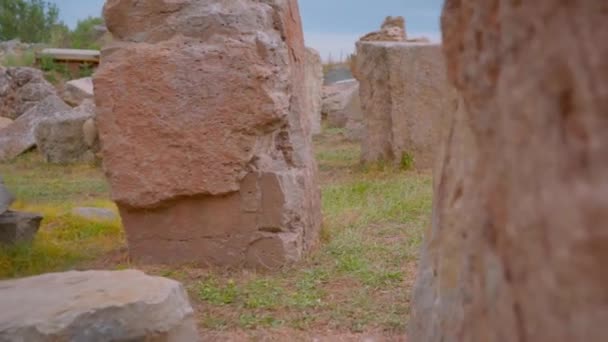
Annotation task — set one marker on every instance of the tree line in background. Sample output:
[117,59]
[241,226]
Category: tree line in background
[37,21]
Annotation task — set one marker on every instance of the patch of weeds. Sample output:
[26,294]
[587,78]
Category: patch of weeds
[62,241]
[213,322]
[85,70]
[407,161]
[263,293]
[210,290]
[255,321]
[26,59]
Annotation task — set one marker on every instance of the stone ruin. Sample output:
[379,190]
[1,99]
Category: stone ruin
[205,139]
[403,92]
[517,250]
[392,30]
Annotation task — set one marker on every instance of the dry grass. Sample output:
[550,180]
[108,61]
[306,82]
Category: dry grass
[357,284]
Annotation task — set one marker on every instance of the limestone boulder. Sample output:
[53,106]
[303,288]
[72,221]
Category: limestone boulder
[207,99]
[66,137]
[314,88]
[403,90]
[96,306]
[517,246]
[22,88]
[18,227]
[77,91]
[6,198]
[19,136]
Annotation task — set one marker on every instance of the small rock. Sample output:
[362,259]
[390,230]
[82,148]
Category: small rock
[18,227]
[76,91]
[19,136]
[62,138]
[98,214]
[95,306]
[6,198]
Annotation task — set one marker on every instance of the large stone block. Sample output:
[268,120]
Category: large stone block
[19,137]
[63,138]
[205,139]
[403,90]
[77,91]
[517,250]
[95,306]
[314,88]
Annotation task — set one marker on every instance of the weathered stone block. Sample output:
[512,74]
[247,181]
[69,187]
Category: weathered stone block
[18,227]
[403,90]
[21,88]
[64,138]
[517,250]
[95,306]
[77,91]
[205,139]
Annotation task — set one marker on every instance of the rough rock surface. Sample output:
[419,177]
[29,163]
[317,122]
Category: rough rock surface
[95,306]
[19,136]
[392,30]
[5,122]
[6,198]
[336,98]
[77,91]
[95,214]
[518,246]
[21,88]
[403,89]
[18,227]
[64,138]
[207,100]
[314,88]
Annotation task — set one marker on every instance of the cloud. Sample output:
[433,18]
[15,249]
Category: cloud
[339,45]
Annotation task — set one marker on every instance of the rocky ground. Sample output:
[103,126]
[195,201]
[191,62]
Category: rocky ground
[355,286]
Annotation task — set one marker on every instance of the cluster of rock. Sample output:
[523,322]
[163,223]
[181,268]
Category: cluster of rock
[15,227]
[33,113]
[205,137]
[403,91]
[392,30]
[518,246]
[14,47]
[95,306]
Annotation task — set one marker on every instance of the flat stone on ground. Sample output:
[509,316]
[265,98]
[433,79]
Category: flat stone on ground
[95,306]
[18,227]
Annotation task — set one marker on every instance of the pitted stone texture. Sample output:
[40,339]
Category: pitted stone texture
[314,88]
[21,88]
[18,227]
[207,99]
[63,138]
[403,90]
[19,136]
[5,122]
[517,247]
[77,91]
[96,306]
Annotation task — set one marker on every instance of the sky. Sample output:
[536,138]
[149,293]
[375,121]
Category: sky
[330,26]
